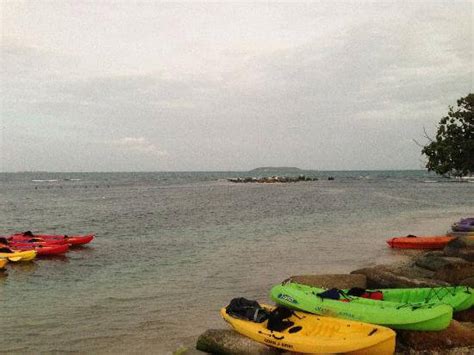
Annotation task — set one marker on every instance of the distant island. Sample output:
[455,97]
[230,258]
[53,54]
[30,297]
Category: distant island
[276,174]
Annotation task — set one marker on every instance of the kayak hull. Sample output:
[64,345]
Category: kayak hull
[73,240]
[318,335]
[432,243]
[428,317]
[3,263]
[458,297]
[39,241]
[26,255]
[44,250]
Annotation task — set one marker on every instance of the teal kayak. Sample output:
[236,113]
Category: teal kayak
[420,316]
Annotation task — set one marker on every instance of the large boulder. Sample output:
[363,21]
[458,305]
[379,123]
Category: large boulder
[340,281]
[467,282]
[456,335]
[435,263]
[455,273]
[465,316]
[383,277]
[462,247]
[226,341]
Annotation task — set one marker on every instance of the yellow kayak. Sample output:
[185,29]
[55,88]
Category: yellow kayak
[317,334]
[3,262]
[17,255]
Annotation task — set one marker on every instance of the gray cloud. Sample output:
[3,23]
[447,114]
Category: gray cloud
[321,86]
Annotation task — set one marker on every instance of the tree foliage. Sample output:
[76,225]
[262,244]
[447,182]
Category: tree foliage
[452,152]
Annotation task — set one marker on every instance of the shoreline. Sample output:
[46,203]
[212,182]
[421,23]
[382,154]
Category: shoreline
[411,271]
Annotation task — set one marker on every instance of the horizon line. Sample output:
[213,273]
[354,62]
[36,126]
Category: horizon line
[191,171]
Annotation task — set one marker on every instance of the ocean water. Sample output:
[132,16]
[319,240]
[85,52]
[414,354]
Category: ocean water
[173,248]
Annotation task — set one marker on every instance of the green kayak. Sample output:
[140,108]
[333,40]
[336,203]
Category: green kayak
[424,316]
[458,297]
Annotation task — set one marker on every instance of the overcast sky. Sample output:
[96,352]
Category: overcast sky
[148,86]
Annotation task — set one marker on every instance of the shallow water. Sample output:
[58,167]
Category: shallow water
[172,248]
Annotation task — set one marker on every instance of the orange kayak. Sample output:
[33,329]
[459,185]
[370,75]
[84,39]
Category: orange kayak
[415,242]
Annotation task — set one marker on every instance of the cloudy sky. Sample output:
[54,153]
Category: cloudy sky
[148,86]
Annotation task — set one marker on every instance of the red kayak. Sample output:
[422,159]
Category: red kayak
[42,250]
[415,242]
[63,239]
[23,239]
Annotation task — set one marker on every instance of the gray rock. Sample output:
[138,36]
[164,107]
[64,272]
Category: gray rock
[436,263]
[462,247]
[455,273]
[380,277]
[465,316]
[226,341]
[341,281]
[187,351]
[456,335]
[467,282]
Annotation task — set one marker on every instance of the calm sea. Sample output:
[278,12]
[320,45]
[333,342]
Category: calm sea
[172,248]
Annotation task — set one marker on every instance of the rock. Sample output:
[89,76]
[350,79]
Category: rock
[332,280]
[459,234]
[187,351]
[467,282]
[382,277]
[462,247]
[466,350]
[456,335]
[465,316]
[455,273]
[435,263]
[434,253]
[226,341]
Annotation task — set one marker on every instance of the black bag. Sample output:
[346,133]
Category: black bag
[332,294]
[276,319]
[243,308]
[356,291]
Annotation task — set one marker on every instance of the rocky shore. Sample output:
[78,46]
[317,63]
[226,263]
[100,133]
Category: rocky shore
[452,266]
[274,179]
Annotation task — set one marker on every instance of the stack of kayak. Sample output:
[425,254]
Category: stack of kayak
[463,227]
[27,246]
[315,320]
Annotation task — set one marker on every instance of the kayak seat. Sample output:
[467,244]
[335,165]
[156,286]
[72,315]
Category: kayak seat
[277,319]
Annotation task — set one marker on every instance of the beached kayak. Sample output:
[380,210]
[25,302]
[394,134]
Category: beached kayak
[315,334]
[16,255]
[458,297]
[464,225]
[42,250]
[415,242]
[391,314]
[3,262]
[73,239]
